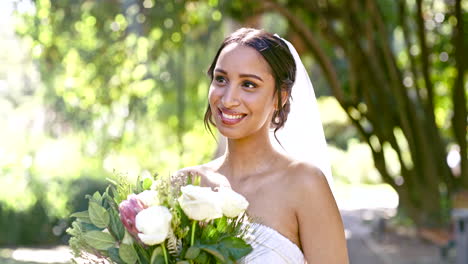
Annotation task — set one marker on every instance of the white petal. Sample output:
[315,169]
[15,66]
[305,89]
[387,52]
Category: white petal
[152,239]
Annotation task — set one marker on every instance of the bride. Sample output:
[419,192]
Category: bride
[252,78]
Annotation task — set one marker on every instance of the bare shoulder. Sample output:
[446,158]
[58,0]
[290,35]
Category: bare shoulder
[310,188]
[308,179]
[320,226]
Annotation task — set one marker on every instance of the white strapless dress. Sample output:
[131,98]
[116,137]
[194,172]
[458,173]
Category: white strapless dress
[269,246]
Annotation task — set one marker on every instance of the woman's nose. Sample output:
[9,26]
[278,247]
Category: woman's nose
[230,97]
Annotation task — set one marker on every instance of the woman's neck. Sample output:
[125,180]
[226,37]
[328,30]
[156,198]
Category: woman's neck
[248,156]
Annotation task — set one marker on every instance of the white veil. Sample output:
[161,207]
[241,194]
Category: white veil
[302,136]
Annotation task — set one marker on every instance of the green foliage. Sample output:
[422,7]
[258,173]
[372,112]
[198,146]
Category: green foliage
[98,215]
[110,75]
[83,216]
[192,252]
[99,240]
[77,241]
[100,232]
[116,227]
[93,48]
[30,226]
[157,256]
[234,247]
[128,254]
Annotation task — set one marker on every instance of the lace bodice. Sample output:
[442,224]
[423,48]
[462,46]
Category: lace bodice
[269,246]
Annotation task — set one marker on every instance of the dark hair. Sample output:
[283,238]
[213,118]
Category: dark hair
[278,57]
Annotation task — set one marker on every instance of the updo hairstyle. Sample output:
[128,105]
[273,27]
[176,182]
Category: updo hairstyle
[279,58]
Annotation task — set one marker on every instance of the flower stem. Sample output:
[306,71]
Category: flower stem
[164,252]
[192,239]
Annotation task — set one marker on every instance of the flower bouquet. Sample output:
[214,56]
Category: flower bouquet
[161,220]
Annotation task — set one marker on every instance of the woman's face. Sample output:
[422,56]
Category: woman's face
[241,94]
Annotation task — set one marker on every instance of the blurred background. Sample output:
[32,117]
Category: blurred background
[91,88]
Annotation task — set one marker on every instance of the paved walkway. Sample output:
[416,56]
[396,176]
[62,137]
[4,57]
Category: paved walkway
[366,247]
[359,250]
[361,207]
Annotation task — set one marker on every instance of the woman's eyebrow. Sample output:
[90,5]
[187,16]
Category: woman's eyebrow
[251,76]
[242,75]
[221,71]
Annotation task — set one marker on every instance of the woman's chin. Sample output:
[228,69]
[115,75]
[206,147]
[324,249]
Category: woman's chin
[230,134]
[231,129]
[240,130]
[238,133]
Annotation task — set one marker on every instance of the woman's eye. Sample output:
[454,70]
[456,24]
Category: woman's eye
[220,79]
[249,84]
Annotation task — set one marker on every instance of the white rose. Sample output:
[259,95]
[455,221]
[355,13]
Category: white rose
[153,224]
[200,203]
[149,198]
[233,204]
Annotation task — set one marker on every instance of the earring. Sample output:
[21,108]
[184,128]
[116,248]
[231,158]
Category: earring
[276,118]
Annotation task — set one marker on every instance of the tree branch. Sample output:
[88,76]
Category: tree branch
[406,37]
[314,47]
[424,57]
[459,119]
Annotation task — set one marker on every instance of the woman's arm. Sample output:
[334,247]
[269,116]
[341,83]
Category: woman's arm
[321,230]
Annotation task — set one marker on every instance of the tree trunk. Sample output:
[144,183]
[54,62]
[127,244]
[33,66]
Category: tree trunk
[398,112]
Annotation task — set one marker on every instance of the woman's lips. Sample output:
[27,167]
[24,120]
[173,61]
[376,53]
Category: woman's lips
[230,118]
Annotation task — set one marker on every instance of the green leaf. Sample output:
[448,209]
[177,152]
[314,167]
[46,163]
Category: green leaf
[159,260]
[114,255]
[83,216]
[144,256]
[192,252]
[96,197]
[146,184]
[98,215]
[107,199]
[157,251]
[128,254]
[196,180]
[115,225]
[139,187]
[236,247]
[89,227]
[99,240]
[112,181]
[182,262]
[157,256]
[214,251]
[204,257]
[80,214]
[222,224]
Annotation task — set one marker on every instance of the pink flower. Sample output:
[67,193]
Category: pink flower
[128,210]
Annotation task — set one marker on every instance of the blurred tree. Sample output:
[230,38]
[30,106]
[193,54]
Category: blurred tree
[396,67]
[122,89]
[116,69]
[398,70]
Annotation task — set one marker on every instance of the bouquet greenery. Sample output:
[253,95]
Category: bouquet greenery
[161,220]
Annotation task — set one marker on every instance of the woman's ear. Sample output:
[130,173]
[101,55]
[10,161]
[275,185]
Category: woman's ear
[284,97]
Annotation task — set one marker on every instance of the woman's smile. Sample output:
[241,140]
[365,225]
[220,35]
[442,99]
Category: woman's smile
[229,117]
[242,92]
